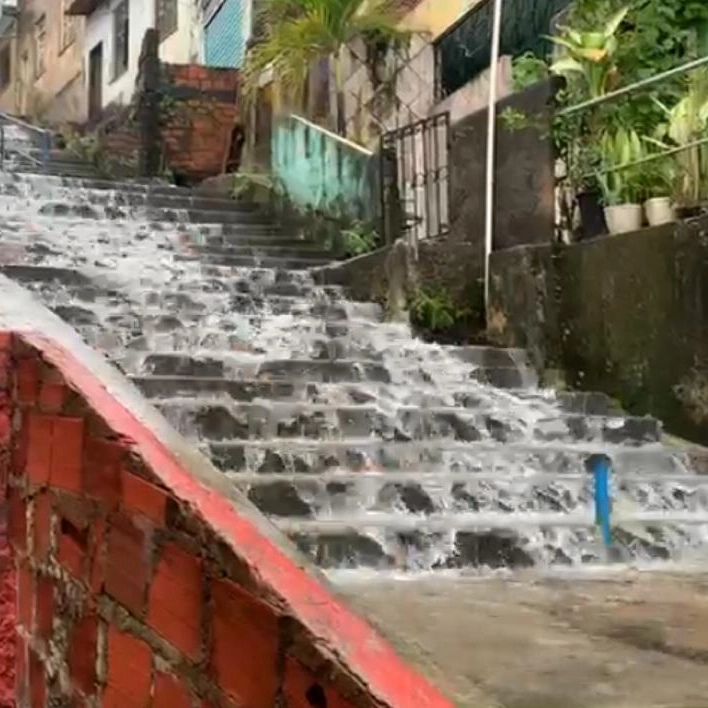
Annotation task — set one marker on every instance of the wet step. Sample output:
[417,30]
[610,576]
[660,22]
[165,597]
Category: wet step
[483,542]
[215,419]
[427,492]
[370,454]
[297,262]
[270,247]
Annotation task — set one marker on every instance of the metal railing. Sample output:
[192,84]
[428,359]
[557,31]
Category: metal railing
[39,138]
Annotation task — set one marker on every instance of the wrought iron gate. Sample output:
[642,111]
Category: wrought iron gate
[415,179]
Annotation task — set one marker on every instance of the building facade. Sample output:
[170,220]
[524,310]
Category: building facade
[114,34]
[41,62]
[228,26]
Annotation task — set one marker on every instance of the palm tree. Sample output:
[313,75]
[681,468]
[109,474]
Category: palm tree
[298,32]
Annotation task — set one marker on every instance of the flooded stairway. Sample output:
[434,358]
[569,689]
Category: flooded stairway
[369,448]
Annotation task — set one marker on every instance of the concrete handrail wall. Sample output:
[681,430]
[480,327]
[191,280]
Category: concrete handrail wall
[324,172]
[139,572]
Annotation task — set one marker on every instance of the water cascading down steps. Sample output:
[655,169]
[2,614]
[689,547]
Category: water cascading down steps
[368,447]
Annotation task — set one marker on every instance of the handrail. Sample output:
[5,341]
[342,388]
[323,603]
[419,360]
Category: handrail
[631,88]
[45,140]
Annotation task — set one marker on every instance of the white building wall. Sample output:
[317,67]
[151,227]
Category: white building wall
[185,46]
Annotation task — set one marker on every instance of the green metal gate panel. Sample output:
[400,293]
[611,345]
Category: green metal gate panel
[225,35]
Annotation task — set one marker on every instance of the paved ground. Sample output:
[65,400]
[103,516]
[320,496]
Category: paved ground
[636,640]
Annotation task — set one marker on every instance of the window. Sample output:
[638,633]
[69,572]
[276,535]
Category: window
[121,39]
[5,67]
[167,20]
[40,46]
[68,26]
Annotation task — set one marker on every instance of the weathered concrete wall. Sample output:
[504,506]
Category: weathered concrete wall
[626,314]
[143,581]
[525,183]
[392,276]
[322,172]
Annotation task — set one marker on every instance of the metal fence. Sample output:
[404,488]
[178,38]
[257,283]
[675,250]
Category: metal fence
[415,185]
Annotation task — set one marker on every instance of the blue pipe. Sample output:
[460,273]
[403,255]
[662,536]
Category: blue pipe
[601,467]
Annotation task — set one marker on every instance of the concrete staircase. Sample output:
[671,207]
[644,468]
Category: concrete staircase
[369,448]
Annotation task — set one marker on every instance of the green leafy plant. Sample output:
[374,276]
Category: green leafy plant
[358,239]
[514,119]
[590,55]
[434,311]
[252,186]
[299,32]
[527,70]
[686,123]
[621,186]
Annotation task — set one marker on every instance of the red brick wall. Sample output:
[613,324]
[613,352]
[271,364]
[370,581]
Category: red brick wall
[128,597]
[198,111]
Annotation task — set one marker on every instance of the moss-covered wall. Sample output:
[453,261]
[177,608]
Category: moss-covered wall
[625,314]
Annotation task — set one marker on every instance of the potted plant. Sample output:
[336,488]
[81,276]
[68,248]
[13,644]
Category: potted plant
[687,123]
[621,182]
[658,180]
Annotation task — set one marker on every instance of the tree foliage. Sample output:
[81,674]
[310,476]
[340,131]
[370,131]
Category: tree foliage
[297,32]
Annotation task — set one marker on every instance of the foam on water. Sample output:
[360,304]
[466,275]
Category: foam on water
[138,272]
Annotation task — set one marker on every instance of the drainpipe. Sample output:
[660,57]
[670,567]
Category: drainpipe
[491,146]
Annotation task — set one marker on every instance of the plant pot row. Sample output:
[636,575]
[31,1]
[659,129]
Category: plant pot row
[621,218]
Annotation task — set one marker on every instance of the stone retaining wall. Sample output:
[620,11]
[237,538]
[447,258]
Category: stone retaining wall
[626,314]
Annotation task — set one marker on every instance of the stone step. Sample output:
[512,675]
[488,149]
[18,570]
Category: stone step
[154,214]
[484,542]
[219,419]
[270,248]
[300,261]
[42,182]
[117,195]
[371,454]
[433,492]
[45,274]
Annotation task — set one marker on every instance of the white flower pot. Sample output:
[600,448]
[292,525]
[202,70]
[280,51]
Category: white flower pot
[624,217]
[659,210]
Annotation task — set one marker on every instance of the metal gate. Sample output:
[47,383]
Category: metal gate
[415,186]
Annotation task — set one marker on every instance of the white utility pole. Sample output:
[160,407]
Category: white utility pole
[491,146]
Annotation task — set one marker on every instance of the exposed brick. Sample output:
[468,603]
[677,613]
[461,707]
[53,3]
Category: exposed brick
[127,564]
[52,397]
[17,521]
[170,692]
[37,681]
[44,613]
[97,571]
[25,595]
[67,453]
[244,634]
[5,426]
[39,448]
[42,525]
[72,556]
[83,649]
[142,497]
[102,470]
[21,672]
[175,609]
[27,381]
[129,671]
[6,341]
[303,690]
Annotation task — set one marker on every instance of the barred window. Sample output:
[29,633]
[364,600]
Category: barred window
[121,39]
[167,19]
[464,51]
